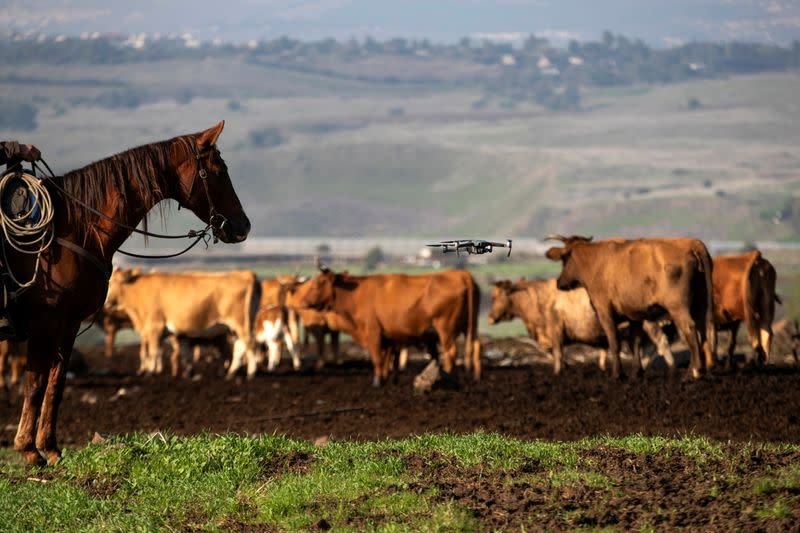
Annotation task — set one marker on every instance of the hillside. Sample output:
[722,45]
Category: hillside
[315,154]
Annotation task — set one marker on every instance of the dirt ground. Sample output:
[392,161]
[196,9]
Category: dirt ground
[518,396]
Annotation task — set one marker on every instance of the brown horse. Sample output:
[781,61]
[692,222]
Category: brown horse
[72,282]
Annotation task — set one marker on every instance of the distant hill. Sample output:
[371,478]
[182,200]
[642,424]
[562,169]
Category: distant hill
[657,22]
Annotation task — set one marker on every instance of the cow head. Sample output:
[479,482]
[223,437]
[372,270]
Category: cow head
[316,293]
[501,302]
[119,279]
[570,277]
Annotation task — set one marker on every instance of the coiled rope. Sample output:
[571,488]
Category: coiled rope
[30,237]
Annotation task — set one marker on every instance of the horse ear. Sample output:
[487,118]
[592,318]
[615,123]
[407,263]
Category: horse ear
[208,138]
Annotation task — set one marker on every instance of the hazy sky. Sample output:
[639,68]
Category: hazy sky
[659,22]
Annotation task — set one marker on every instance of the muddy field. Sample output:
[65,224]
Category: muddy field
[518,397]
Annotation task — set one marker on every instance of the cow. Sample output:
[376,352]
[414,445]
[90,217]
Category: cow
[554,318]
[112,321]
[317,324]
[276,324]
[384,311]
[188,305]
[644,279]
[744,291]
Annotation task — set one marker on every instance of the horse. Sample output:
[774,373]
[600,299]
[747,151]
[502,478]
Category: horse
[96,208]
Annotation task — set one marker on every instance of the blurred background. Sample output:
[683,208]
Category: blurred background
[359,129]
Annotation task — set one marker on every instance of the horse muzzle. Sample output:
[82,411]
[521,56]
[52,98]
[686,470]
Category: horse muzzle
[233,230]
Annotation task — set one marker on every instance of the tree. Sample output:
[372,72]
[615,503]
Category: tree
[373,258]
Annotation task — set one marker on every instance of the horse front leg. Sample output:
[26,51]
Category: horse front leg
[46,440]
[42,349]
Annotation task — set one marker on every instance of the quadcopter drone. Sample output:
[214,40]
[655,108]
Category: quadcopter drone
[471,246]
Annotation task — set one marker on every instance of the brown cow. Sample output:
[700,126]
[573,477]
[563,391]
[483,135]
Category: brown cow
[644,279]
[383,311]
[744,291]
[554,318]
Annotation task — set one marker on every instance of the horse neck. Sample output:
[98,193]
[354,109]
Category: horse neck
[126,203]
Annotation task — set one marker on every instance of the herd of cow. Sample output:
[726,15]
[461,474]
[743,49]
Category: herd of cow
[607,290]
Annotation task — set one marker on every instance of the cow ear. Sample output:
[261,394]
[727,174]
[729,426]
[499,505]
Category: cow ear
[208,138]
[556,253]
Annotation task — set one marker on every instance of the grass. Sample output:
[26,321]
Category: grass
[156,482]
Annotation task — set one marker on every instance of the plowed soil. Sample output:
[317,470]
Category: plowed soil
[518,396]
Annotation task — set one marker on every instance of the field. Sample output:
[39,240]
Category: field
[320,450]
[314,154]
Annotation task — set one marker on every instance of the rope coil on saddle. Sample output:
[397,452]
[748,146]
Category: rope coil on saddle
[29,231]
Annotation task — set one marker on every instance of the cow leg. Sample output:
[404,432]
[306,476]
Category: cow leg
[636,332]
[196,353]
[274,357]
[476,359]
[292,347]
[402,360]
[729,362]
[111,333]
[175,356]
[601,362]
[606,319]
[252,359]
[686,326]
[46,436]
[557,355]
[659,338]
[766,341]
[294,327]
[184,347]
[335,346]
[151,340]
[236,358]
[319,339]
[372,342]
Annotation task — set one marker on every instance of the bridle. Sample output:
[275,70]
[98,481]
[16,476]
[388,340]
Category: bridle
[216,220]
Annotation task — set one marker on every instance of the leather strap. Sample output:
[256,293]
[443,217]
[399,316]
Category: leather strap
[86,255]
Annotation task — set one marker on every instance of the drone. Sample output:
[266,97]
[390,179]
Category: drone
[471,246]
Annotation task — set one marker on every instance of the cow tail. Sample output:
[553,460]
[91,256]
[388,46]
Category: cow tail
[759,298]
[711,328]
[472,348]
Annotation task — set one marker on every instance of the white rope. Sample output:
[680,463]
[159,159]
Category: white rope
[24,236]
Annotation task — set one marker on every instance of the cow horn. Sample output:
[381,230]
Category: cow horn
[555,237]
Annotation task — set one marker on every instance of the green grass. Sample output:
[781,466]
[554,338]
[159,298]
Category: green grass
[158,482]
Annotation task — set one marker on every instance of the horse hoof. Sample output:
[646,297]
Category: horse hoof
[52,456]
[33,458]
[376,382]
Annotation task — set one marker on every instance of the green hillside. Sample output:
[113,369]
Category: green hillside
[314,154]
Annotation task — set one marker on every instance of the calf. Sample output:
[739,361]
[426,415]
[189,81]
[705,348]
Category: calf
[554,318]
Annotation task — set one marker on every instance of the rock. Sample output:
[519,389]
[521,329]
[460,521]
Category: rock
[97,438]
[321,441]
[426,379]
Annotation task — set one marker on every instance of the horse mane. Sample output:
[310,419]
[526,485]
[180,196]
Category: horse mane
[144,167]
